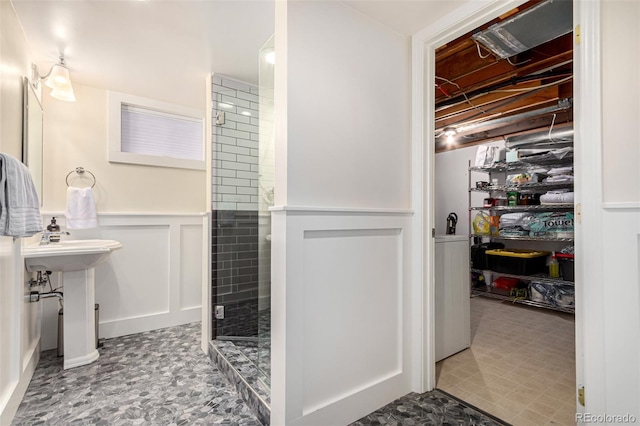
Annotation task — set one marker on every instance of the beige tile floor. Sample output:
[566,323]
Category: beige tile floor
[520,367]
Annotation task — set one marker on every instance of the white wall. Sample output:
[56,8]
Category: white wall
[348,109]
[19,325]
[612,246]
[341,296]
[621,93]
[75,134]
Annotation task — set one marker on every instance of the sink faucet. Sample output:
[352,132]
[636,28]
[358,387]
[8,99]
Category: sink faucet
[46,236]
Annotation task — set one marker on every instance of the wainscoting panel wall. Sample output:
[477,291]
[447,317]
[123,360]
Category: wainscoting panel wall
[19,329]
[344,297]
[153,282]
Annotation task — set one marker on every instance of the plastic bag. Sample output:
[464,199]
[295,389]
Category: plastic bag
[481,224]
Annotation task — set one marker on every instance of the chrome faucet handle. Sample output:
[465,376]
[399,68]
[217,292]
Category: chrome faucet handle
[46,237]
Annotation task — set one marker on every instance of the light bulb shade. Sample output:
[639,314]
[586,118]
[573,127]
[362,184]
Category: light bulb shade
[58,77]
[271,57]
[449,131]
[64,93]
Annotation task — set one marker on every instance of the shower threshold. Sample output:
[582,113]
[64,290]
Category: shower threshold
[238,361]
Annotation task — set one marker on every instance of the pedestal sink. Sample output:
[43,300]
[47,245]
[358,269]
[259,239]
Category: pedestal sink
[76,260]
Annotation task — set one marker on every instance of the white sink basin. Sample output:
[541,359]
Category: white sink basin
[68,255]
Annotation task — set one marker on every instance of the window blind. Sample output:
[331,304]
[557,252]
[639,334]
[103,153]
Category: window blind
[149,132]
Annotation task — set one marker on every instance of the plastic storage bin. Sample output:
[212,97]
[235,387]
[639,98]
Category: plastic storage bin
[566,266]
[562,296]
[518,262]
[479,259]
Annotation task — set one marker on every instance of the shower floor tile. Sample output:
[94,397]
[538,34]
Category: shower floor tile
[244,361]
[159,377]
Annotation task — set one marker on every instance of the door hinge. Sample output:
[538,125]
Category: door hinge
[433,232]
[581,395]
[579,213]
[577,34]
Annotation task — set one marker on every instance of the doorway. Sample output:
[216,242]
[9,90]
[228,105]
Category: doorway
[445,33]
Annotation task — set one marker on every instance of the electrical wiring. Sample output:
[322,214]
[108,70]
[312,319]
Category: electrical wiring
[553,121]
[506,59]
[463,94]
[442,90]
[479,53]
[529,89]
[517,63]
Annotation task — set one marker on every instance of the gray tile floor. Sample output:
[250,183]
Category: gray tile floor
[155,378]
[162,377]
[431,408]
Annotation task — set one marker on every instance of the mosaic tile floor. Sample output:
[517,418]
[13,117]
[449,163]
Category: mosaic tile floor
[259,353]
[160,377]
[520,367]
[432,408]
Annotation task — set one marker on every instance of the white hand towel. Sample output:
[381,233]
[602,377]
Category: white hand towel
[81,208]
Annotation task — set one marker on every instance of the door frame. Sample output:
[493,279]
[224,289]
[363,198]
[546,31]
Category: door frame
[587,119]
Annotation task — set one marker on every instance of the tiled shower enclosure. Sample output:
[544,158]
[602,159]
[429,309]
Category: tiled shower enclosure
[242,191]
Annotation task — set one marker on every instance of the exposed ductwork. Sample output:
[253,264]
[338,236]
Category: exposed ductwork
[533,27]
[556,138]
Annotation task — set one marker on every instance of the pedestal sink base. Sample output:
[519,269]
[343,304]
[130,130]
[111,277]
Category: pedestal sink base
[79,318]
[76,260]
[80,361]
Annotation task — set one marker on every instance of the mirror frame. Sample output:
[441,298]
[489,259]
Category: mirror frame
[32,135]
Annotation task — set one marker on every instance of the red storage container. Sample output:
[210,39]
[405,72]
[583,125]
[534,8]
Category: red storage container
[567,267]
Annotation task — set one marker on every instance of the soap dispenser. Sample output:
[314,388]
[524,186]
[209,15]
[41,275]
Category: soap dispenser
[54,229]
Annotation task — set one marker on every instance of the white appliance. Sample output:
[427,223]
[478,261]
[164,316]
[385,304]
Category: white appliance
[452,311]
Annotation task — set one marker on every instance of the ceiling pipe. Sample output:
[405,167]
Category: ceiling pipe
[553,137]
[562,105]
[513,81]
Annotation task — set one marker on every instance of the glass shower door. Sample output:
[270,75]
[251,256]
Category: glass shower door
[266,184]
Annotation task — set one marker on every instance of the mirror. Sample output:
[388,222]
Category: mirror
[32,135]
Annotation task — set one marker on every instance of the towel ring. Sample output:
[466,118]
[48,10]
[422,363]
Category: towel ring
[81,171]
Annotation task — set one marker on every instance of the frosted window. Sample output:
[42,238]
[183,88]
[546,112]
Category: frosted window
[155,133]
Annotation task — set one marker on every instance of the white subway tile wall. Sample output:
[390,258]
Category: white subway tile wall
[235,145]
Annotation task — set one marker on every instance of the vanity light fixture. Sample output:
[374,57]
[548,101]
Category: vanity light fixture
[57,79]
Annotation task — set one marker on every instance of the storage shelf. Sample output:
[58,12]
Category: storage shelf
[523,208]
[543,278]
[526,163]
[525,187]
[521,301]
[524,238]
[538,186]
